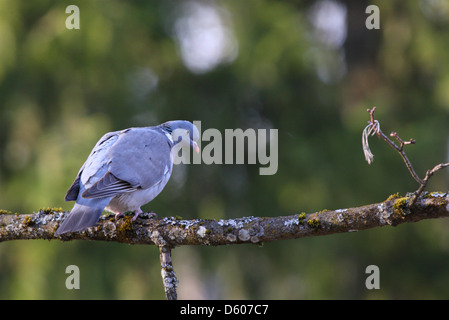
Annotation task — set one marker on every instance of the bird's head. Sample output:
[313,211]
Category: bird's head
[183,132]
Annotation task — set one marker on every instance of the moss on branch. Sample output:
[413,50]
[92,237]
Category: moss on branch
[173,231]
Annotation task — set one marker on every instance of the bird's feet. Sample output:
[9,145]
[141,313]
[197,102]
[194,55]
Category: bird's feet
[152,214]
[136,214]
[118,215]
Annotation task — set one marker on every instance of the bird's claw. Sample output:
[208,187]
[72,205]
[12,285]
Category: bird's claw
[153,215]
[118,215]
[136,214]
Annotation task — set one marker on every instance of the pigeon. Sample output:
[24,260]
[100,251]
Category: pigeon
[125,170]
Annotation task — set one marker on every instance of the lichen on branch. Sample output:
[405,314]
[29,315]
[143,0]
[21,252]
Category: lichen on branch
[173,232]
[170,232]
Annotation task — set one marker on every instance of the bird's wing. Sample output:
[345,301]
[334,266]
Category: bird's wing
[86,212]
[93,169]
[140,158]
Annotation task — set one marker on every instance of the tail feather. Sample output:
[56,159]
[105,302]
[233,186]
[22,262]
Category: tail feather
[83,216]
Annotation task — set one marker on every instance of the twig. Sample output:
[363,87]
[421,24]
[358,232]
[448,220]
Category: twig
[429,174]
[374,127]
[168,274]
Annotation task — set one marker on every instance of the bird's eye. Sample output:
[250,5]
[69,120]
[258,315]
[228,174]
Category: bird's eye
[188,132]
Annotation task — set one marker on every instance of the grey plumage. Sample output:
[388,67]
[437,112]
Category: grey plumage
[125,170]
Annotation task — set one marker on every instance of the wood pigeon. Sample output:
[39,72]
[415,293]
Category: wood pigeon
[125,170]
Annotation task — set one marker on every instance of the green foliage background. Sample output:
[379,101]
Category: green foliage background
[61,90]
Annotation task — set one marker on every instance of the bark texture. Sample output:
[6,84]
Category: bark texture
[169,232]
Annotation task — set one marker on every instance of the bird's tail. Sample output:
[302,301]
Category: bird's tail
[83,215]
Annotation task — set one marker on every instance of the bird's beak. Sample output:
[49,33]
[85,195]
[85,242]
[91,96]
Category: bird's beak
[194,146]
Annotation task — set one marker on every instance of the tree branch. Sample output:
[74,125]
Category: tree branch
[169,232]
[374,124]
[168,274]
[373,127]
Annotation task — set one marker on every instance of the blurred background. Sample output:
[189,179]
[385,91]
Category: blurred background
[307,68]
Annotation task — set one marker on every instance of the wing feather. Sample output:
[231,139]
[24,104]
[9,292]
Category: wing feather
[108,186]
[72,193]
